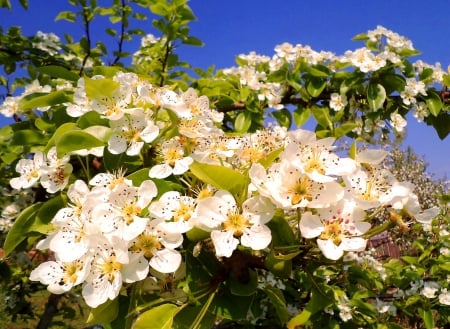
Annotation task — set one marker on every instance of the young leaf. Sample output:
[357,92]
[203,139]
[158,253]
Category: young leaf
[427,317]
[434,103]
[376,95]
[76,140]
[317,302]
[21,228]
[322,116]
[279,303]
[301,115]
[220,177]
[160,317]
[42,100]
[104,313]
[283,117]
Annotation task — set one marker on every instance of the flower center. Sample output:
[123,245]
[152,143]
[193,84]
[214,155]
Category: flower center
[301,191]
[110,266]
[129,211]
[172,155]
[236,223]
[333,231]
[147,244]
[183,213]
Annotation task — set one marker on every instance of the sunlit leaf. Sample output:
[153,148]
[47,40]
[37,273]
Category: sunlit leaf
[159,317]
[376,95]
[21,228]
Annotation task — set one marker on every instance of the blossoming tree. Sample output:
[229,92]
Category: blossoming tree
[170,196]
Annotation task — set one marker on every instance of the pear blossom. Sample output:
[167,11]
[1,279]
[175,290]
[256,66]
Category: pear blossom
[290,188]
[174,160]
[369,187]
[230,225]
[131,132]
[444,297]
[114,106]
[121,215]
[156,247]
[403,199]
[337,229]
[10,106]
[398,122]
[110,267]
[30,171]
[59,276]
[338,102]
[177,211]
[55,172]
[318,161]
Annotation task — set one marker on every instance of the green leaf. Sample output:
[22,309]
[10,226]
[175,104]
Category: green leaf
[100,88]
[427,317]
[21,228]
[433,101]
[67,15]
[76,140]
[160,317]
[441,123]
[446,80]
[280,267]
[193,41]
[187,316]
[283,117]
[42,100]
[28,137]
[344,129]
[279,303]
[282,234]
[301,115]
[316,303]
[376,95]
[220,177]
[322,116]
[104,313]
[58,72]
[59,132]
[46,213]
[243,122]
[316,86]
[318,71]
[238,288]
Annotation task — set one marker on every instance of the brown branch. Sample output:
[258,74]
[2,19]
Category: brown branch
[122,33]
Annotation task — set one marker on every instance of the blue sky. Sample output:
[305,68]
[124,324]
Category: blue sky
[231,27]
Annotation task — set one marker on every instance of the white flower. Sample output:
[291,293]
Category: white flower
[228,223]
[158,247]
[120,216]
[130,133]
[30,171]
[369,188]
[402,198]
[337,229]
[60,276]
[289,188]
[174,161]
[56,172]
[109,268]
[398,122]
[317,160]
[430,288]
[177,210]
[444,297]
[338,102]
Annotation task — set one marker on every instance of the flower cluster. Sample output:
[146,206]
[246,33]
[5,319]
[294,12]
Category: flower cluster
[116,230]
